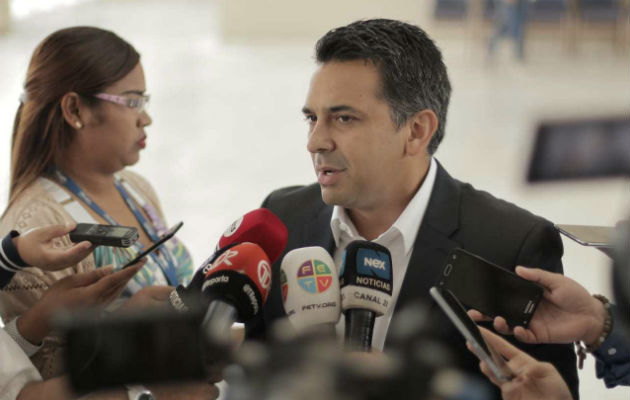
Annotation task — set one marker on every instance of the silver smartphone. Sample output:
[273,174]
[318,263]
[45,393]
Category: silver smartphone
[468,328]
[587,235]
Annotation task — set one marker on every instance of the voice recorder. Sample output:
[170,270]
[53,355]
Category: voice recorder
[105,235]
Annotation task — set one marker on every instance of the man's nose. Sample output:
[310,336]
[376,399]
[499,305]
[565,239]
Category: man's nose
[320,139]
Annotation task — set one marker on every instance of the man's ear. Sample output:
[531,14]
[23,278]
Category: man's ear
[73,110]
[421,128]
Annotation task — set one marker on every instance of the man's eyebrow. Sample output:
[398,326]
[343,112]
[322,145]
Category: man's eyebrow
[342,108]
[306,110]
[138,92]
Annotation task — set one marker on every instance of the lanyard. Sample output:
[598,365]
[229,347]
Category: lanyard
[166,262]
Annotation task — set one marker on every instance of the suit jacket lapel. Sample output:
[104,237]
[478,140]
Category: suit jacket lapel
[433,242]
[318,233]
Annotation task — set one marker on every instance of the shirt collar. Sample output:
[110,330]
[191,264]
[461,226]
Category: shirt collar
[408,221]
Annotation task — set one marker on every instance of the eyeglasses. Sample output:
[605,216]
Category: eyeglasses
[135,103]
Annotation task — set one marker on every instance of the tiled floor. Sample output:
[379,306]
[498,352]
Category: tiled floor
[228,129]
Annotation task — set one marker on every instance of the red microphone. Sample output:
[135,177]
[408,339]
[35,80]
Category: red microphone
[237,285]
[247,259]
[259,226]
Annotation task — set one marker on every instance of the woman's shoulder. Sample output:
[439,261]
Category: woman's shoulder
[141,184]
[34,207]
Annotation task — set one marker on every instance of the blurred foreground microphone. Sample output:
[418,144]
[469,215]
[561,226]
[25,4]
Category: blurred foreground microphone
[310,289]
[237,285]
[259,226]
[366,290]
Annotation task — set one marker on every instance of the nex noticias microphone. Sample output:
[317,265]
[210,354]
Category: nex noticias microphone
[259,226]
[310,288]
[366,290]
[237,285]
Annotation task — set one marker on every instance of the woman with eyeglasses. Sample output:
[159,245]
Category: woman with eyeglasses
[80,123]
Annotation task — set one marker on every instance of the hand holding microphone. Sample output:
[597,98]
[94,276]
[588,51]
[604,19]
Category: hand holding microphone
[366,290]
[310,288]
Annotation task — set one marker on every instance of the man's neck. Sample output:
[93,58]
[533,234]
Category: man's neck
[371,223]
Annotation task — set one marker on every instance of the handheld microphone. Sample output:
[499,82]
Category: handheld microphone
[366,290]
[183,298]
[237,285]
[259,226]
[310,288]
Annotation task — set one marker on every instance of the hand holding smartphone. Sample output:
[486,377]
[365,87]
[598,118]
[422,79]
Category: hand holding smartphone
[467,327]
[171,232]
[490,289]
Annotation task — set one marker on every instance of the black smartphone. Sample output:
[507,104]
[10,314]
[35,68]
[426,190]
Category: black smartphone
[467,327]
[171,232]
[490,289]
[123,348]
[105,235]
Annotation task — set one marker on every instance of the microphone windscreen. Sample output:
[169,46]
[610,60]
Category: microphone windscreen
[310,287]
[259,226]
[247,259]
[366,277]
[200,274]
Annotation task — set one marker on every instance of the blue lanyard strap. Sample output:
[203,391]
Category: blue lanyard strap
[148,228]
[164,260]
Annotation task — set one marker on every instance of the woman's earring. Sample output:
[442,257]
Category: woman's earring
[78,124]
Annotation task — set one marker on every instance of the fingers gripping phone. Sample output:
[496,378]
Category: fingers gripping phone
[467,327]
[171,232]
[490,289]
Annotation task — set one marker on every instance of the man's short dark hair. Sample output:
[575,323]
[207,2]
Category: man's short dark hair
[413,74]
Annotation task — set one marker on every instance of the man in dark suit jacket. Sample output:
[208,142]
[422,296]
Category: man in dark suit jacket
[376,110]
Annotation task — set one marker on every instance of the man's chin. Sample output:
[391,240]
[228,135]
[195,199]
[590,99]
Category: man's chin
[332,197]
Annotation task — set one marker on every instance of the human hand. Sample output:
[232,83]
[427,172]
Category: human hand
[532,380]
[35,246]
[566,313]
[150,296]
[98,287]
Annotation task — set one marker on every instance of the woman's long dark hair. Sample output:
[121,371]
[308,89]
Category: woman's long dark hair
[84,60]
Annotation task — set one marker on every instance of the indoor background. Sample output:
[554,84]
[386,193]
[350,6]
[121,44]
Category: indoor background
[228,80]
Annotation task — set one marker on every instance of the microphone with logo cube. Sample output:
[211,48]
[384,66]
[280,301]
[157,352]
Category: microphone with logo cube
[310,289]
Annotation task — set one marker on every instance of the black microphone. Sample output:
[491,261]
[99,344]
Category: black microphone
[236,287]
[185,298]
[366,290]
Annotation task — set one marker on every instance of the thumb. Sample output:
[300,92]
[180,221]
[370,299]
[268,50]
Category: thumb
[53,231]
[546,279]
[501,345]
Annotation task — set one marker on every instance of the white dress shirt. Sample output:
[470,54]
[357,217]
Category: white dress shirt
[398,239]
[16,370]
